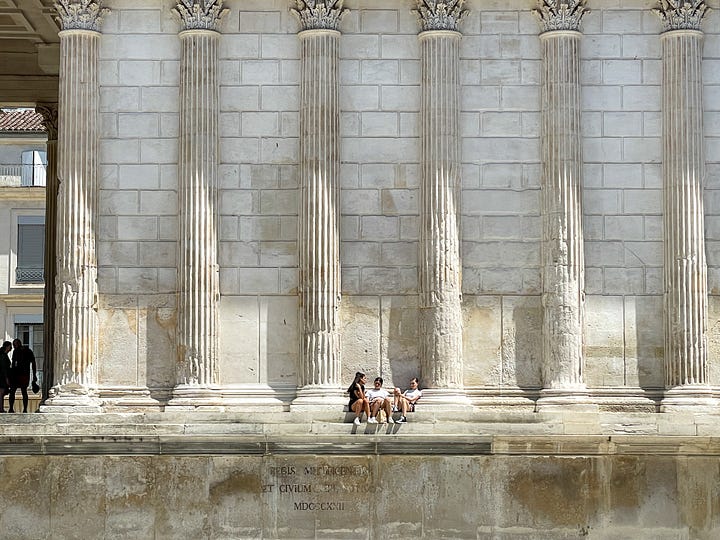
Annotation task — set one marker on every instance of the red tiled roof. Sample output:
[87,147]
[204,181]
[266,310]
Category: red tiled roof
[21,120]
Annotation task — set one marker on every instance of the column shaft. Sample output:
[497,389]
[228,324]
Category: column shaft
[50,113]
[199,288]
[439,265]
[683,177]
[562,234]
[76,323]
[320,208]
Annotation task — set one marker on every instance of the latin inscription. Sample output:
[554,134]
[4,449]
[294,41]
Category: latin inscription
[308,485]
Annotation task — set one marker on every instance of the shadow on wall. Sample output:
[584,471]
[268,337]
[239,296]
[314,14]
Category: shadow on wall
[161,351]
[649,353]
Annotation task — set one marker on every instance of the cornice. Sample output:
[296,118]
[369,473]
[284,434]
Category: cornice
[319,14]
[80,14]
[200,14]
[681,14]
[560,14]
[440,14]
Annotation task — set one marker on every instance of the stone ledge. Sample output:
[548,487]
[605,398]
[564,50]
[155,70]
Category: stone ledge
[346,445]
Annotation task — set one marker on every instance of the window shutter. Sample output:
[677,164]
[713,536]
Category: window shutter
[31,249]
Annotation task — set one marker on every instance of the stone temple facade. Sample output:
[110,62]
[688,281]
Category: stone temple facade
[517,201]
[514,202]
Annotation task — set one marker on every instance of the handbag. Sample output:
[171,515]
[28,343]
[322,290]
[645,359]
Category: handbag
[35,387]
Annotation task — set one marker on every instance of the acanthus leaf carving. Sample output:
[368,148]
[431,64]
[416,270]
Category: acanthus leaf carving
[80,14]
[682,14]
[200,14]
[561,14]
[440,14]
[319,14]
[49,112]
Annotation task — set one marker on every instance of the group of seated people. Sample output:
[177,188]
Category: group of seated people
[378,398]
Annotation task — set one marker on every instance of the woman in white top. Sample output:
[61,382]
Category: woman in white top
[406,401]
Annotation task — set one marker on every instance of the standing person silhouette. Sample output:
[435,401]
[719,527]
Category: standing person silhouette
[22,359]
[5,371]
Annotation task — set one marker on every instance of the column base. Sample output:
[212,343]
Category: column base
[187,397]
[317,398]
[573,399]
[689,398]
[71,398]
[445,400]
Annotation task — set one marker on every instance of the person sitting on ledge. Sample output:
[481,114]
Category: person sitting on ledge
[406,401]
[358,401]
[379,397]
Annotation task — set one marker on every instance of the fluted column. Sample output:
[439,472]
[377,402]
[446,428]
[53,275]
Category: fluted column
[563,265]
[439,263]
[320,203]
[198,273]
[49,112]
[76,294]
[685,291]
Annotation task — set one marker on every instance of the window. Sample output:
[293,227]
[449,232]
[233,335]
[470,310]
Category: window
[34,163]
[31,249]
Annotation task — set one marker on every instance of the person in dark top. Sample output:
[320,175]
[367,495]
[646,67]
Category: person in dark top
[358,401]
[5,368]
[22,359]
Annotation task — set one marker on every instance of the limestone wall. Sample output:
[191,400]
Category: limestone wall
[380,175]
[520,497]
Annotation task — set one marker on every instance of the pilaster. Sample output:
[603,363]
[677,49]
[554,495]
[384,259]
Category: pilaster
[685,277]
[439,266]
[563,268]
[76,294]
[198,271]
[320,204]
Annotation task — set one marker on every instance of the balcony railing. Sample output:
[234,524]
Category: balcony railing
[30,274]
[22,175]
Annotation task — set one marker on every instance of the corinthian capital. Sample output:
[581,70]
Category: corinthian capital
[80,14]
[49,112]
[560,14]
[200,14]
[440,14]
[319,14]
[682,14]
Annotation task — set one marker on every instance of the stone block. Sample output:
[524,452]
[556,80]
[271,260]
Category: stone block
[119,365]
[622,124]
[400,46]
[239,46]
[601,46]
[379,124]
[279,46]
[360,46]
[604,341]
[239,98]
[159,150]
[622,72]
[379,21]
[239,335]
[280,98]
[522,341]
[137,228]
[400,98]
[159,99]
[482,342]
[259,22]
[137,280]
[263,72]
[117,202]
[139,72]
[119,151]
[360,330]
